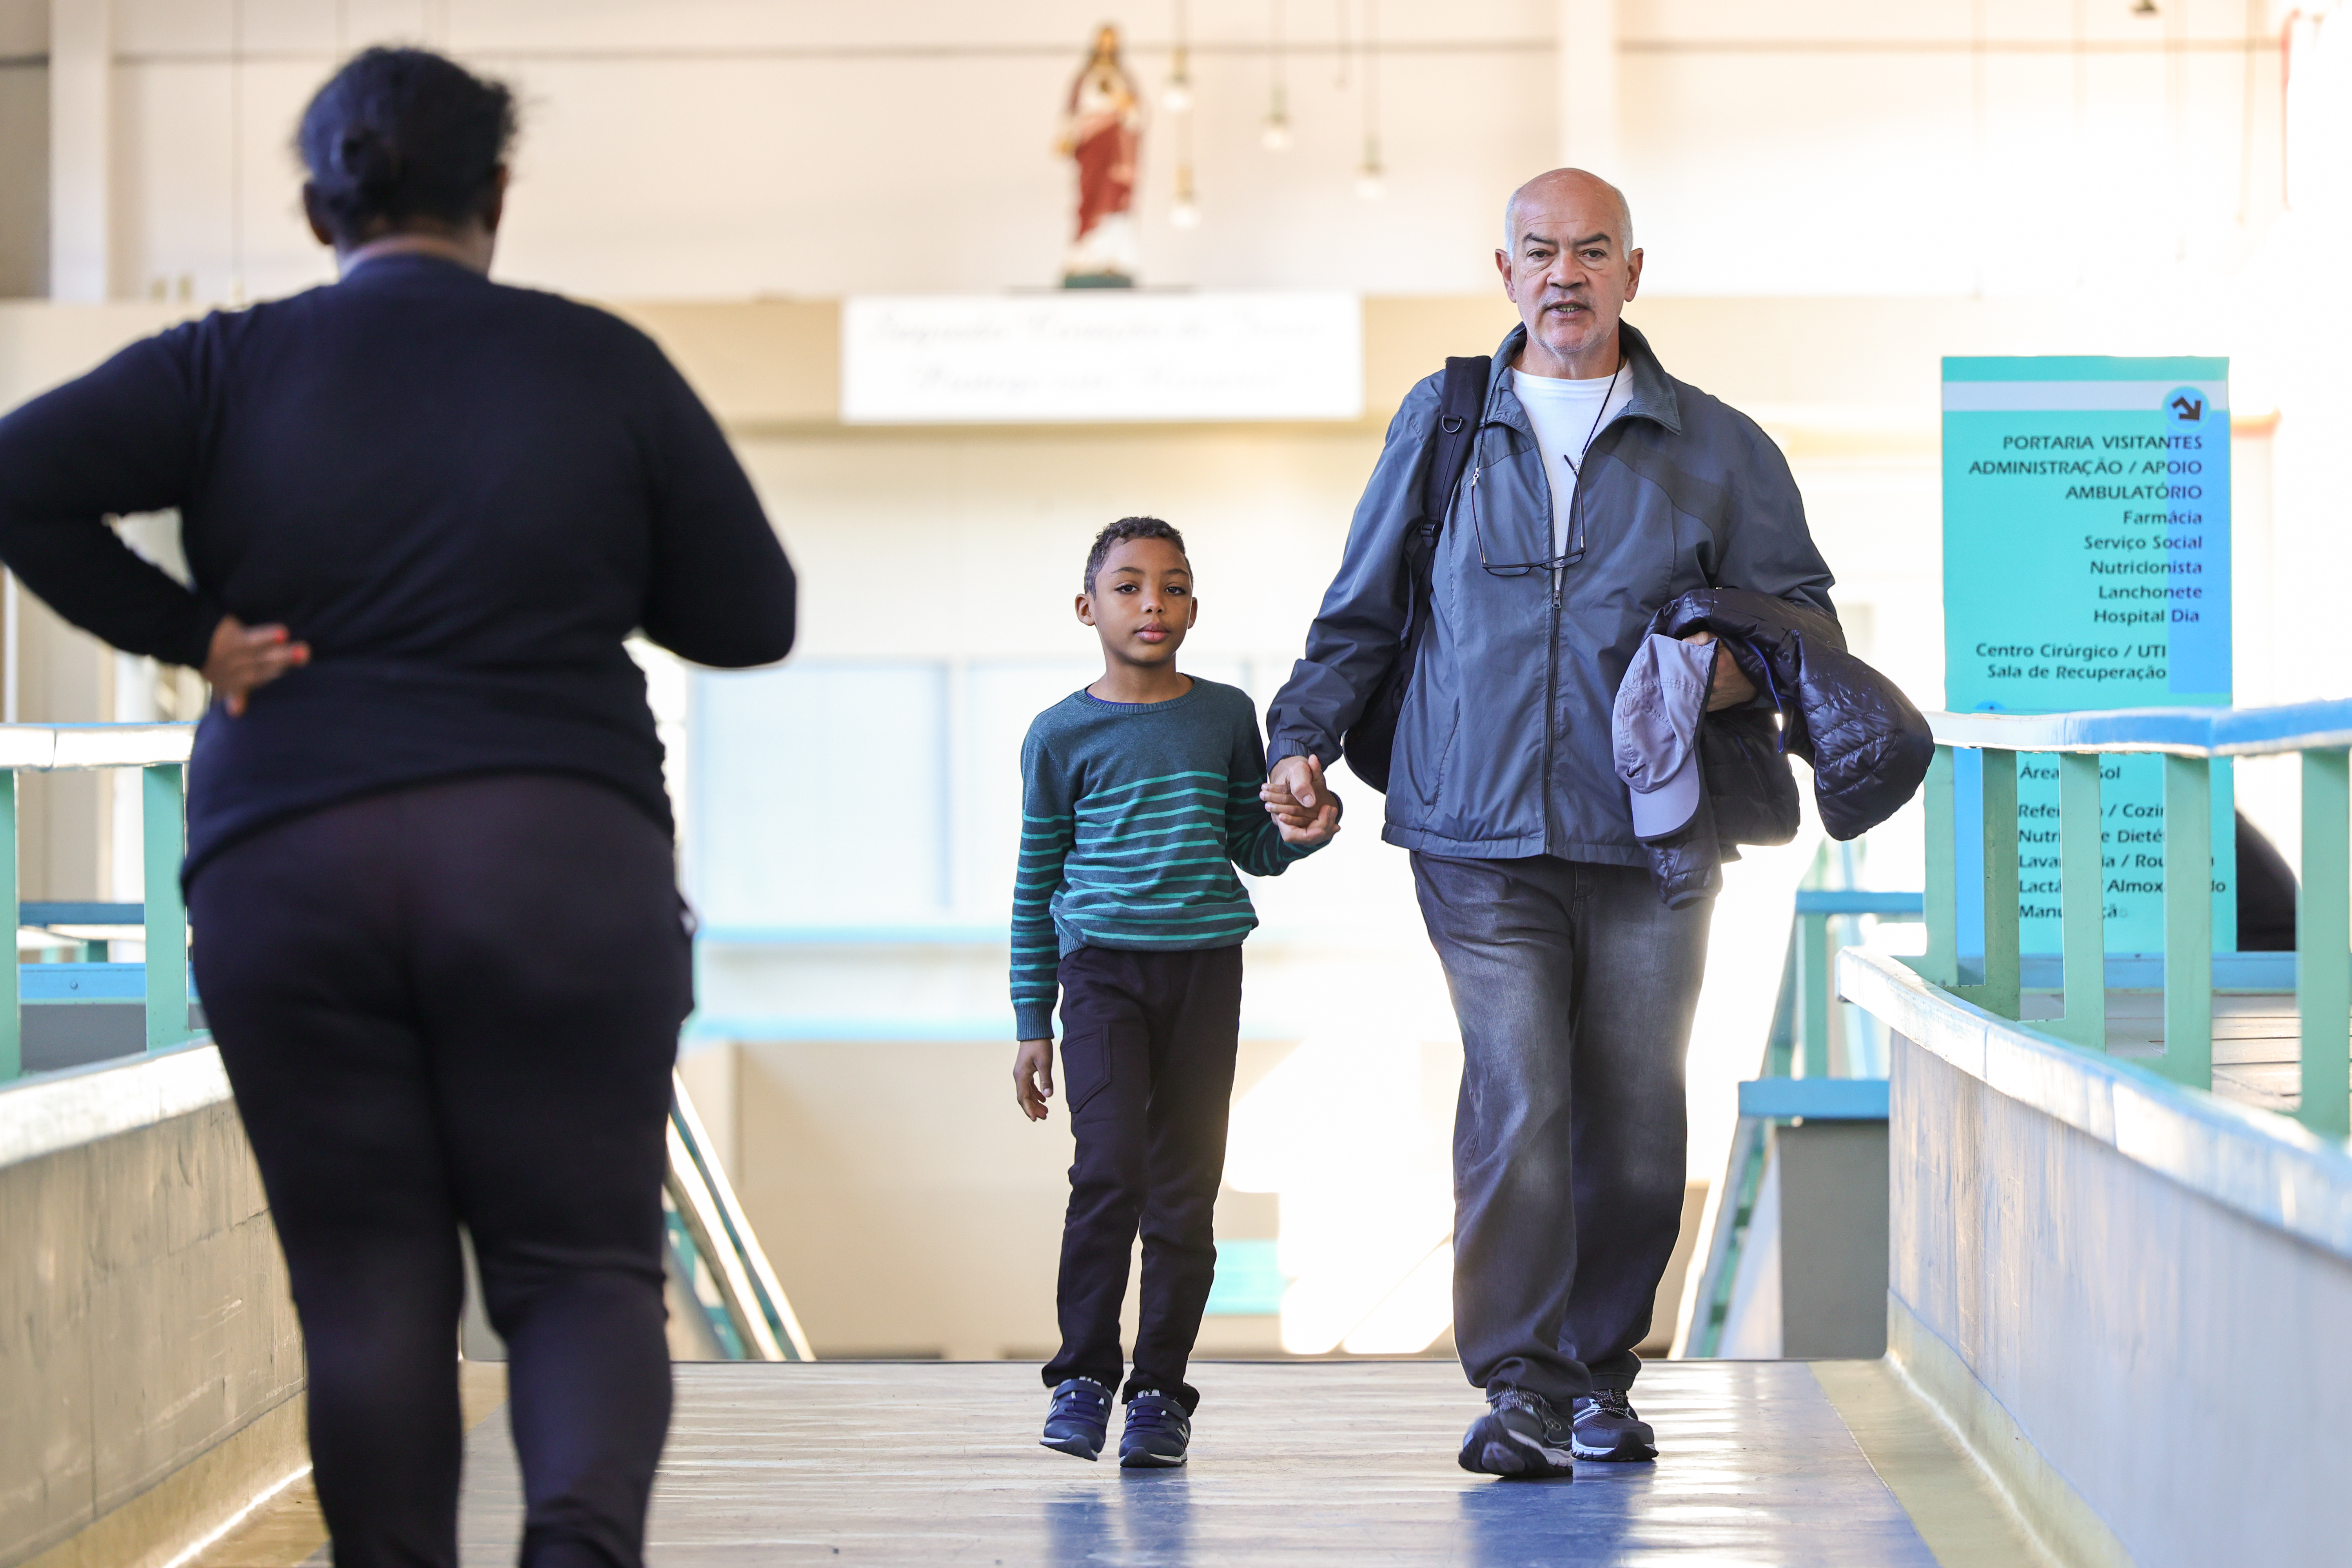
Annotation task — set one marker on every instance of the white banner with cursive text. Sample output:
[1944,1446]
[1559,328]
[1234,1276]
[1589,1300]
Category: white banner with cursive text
[1095,357]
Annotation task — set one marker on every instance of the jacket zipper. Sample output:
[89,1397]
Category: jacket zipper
[1552,662]
[1551,665]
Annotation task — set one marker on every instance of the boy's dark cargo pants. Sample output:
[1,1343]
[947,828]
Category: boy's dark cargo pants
[1147,1043]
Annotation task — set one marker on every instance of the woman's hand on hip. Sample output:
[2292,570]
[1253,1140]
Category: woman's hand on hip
[244,658]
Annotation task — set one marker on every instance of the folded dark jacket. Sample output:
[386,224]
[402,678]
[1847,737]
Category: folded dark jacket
[1868,745]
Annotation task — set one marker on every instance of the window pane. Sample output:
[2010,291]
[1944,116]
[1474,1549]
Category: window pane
[819,796]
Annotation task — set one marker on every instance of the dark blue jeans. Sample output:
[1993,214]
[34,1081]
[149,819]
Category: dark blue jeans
[1574,985]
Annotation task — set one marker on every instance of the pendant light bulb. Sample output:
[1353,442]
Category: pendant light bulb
[1178,97]
[1276,135]
[1372,179]
[1186,213]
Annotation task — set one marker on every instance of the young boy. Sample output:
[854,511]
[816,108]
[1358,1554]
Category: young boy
[1139,798]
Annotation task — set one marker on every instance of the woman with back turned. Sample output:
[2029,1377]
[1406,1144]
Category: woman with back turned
[437,932]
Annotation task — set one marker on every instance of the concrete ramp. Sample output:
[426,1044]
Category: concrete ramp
[1323,1463]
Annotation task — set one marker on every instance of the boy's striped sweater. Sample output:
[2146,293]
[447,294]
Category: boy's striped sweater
[1134,815]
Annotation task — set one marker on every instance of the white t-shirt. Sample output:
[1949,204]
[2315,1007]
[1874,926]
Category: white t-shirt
[1566,416]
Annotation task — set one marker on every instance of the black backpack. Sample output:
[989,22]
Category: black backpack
[1370,740]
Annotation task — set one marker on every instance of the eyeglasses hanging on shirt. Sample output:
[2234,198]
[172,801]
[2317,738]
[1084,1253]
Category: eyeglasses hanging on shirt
[1574,553]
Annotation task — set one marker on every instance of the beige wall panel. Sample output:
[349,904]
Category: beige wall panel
[906,1204]
[1408,339]
[769,362]
[909,1209]
[928,541]
[712,1073]
[144,1321]
[189,1297]
[65,675]
[46,1351]
[24,176]
[42,345]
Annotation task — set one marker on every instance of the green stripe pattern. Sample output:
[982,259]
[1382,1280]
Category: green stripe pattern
[1135,817]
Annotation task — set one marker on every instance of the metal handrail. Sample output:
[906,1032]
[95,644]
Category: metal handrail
[752,1317]
[1809,955]
[2173,731]
[47,748]
[1799,1038]
[2189,739]
[161,752]
[758,1317]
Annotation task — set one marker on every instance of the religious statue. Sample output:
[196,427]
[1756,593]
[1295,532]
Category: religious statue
[1102,132]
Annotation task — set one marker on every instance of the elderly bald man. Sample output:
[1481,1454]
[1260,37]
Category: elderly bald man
[1599,488]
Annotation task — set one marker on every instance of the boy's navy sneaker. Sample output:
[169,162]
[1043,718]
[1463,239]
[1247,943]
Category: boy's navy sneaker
[1520,1438]
[1604,1428]
[1080,1418]
[1156,1435]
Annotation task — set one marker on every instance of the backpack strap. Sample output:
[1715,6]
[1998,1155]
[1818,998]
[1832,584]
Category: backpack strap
[1370,740]
[1460,407]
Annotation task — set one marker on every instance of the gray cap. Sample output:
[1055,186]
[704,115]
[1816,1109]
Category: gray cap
[1660,705]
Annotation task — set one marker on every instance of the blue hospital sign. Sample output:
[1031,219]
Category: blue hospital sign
[2086,564]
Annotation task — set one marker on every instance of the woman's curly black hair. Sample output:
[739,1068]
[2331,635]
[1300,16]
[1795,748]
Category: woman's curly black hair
[401,134]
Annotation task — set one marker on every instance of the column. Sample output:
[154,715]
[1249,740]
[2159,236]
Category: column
[81,81]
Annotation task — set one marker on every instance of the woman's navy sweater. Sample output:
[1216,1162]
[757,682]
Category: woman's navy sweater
[464,496]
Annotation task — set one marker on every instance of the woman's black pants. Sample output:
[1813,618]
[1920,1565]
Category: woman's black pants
[457,1005]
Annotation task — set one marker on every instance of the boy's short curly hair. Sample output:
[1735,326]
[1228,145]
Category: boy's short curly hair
[1124,529]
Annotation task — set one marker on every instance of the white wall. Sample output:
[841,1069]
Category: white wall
[716,149]
[1948,146]
[2291,350]
[719,148]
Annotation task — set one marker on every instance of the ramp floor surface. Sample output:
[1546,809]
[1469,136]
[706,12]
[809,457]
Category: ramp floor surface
[1352,1463]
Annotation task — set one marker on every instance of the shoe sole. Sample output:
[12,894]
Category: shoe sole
[1500,1459]
[1074,1446]
[1629,1454]
[1150,1461]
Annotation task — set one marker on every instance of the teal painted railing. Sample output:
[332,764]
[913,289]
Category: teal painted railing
[1805,1047]
[715,1253]
[1797,1082]
[2189,739]
[159,752]
[718,1258]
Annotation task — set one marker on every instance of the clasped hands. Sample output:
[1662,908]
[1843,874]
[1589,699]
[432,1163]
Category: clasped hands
[1304,811]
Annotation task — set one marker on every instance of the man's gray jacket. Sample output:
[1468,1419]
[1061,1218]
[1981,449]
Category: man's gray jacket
[1503,746]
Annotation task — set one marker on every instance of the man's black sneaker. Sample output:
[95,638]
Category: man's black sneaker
[1520,1436]
[1080,1418]
[1605,1428]
[1156,1435]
